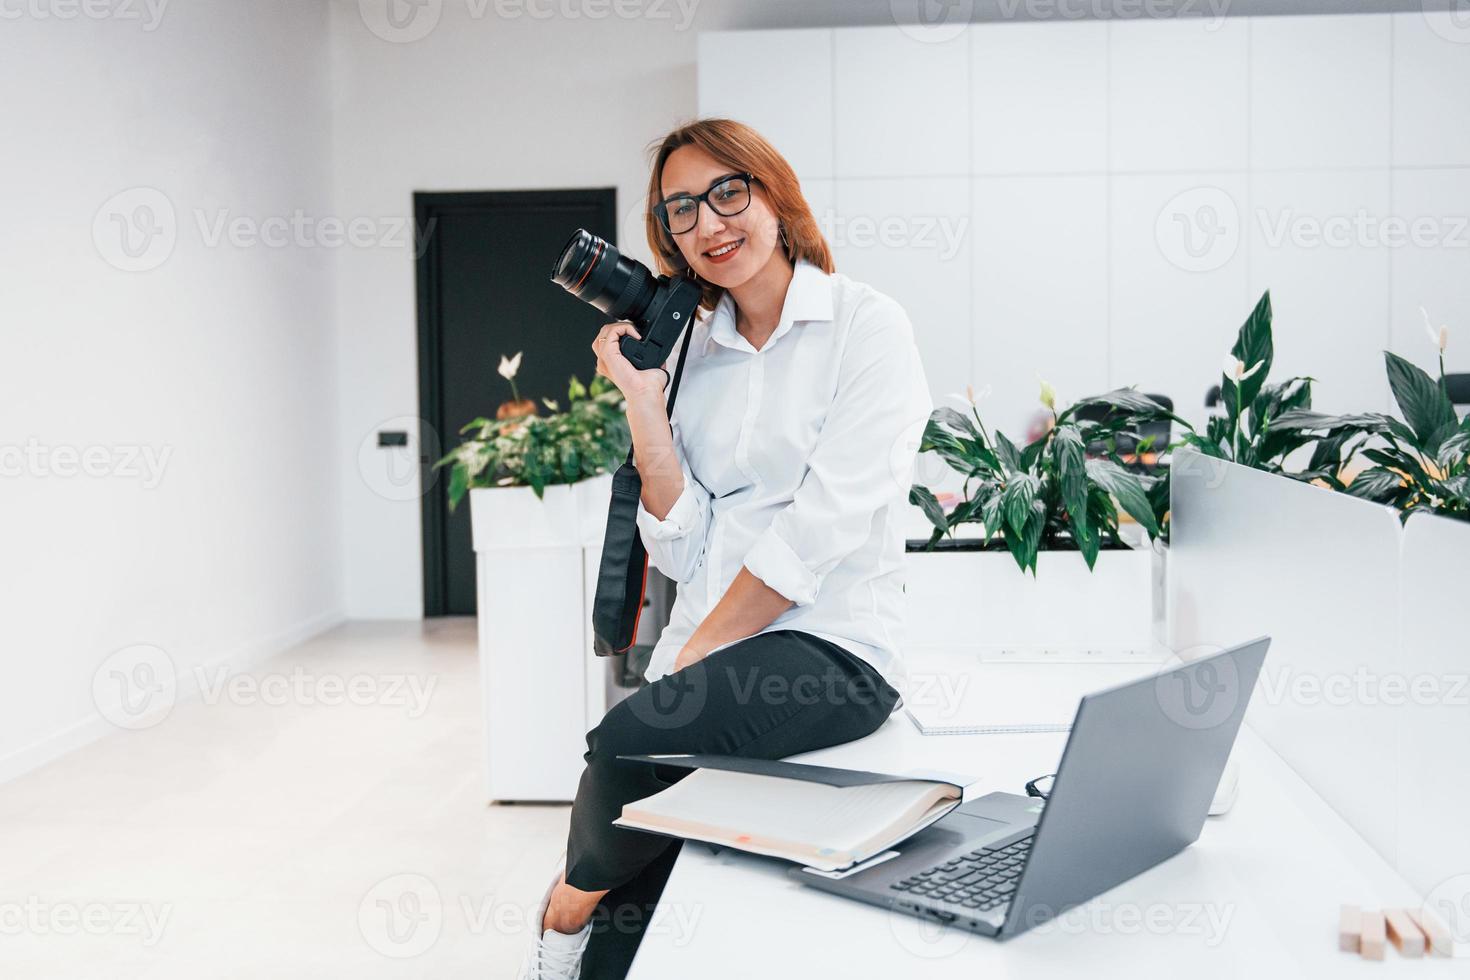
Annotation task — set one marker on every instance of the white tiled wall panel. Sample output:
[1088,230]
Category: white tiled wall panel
[1432,268]
[1320,91]
[791,106]
[902,103]
[1431,76]
[1039,98]
[1179,282]
[1178,94]
[1317,242]
[1113,179]
[1040,292]
[912,240]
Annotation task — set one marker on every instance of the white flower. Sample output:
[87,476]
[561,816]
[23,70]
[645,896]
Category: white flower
[963,400]
[1048,394]
[1234,369]
[510,365]
[1439,337]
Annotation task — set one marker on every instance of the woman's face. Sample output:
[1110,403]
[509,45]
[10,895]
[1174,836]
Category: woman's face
[754,233]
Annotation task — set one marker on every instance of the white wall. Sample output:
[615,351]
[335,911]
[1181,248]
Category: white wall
[1068,161]
[218,360]
[480,101]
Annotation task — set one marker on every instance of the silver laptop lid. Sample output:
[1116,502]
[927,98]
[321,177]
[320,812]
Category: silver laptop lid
[1135,780]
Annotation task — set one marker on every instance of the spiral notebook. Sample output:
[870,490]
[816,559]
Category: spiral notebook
[1001,698]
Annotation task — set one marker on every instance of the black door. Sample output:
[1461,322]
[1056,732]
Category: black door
[484,291]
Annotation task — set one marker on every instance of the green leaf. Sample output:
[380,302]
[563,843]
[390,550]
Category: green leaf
[1378,484]
[957,420]
[1128,402]
[990,514]
[1032,453]
[1453,450]
[1103,515]
[1126,487]
[1424,404]
[1007,451]
[1070,457]
[1253,346]
[1318,422]
[1031,537]
[1019,494]
[459,481]
[1023,544]
[1085,536]
[925,500]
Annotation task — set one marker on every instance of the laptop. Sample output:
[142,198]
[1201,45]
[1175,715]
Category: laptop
[1134,785]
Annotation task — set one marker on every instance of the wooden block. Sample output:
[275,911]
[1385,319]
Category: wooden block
[1374,944]
[1403,933]
[1435,934]
[1350,929]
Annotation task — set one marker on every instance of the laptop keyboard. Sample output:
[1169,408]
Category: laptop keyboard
[983,879]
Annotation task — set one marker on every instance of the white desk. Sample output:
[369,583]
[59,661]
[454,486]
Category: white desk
[1256,896]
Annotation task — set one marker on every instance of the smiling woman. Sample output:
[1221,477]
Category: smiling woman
[774,496]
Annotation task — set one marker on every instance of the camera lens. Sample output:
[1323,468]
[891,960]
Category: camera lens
[595,272]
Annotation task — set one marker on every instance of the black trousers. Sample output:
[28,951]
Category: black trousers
[768,696]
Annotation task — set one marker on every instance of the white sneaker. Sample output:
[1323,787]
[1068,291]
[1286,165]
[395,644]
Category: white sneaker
[553,955]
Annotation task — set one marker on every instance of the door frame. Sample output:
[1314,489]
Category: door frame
[428,208]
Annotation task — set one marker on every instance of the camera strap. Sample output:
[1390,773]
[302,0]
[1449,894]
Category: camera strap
[622,576]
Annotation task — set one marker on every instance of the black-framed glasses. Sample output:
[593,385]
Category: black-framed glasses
[1040,787]
[726,197]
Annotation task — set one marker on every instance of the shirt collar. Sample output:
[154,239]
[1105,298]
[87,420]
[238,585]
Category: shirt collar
[808,298]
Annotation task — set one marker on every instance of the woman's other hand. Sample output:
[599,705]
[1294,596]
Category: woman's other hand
[611,364]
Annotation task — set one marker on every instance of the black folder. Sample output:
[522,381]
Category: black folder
[830,775]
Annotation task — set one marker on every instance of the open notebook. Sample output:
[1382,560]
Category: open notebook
[817,816]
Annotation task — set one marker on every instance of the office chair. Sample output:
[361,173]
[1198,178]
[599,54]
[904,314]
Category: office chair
[1459,389]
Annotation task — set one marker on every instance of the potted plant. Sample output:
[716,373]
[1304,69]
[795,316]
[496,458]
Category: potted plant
[539,488]
[1255,428]
[520,448]
[1420,463]
[1046,509]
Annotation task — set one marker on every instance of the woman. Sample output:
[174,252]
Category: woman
[774,496]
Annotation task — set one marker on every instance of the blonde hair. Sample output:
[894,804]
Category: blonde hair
[741,148]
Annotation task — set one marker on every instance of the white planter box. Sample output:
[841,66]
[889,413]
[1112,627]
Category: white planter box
[542,686]
[981,599]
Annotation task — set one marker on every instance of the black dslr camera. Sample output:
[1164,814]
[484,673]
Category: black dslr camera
[660,306]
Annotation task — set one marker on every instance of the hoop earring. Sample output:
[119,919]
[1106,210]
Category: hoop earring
[784,243]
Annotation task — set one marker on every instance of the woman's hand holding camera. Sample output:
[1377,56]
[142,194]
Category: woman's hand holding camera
[611,364]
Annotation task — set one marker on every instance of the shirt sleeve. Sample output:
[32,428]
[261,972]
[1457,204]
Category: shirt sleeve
[676,544]
[863,460]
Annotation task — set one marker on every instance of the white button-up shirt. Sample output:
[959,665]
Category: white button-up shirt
[797,462]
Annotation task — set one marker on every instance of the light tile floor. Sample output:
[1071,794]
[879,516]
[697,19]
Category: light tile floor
[272,835]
